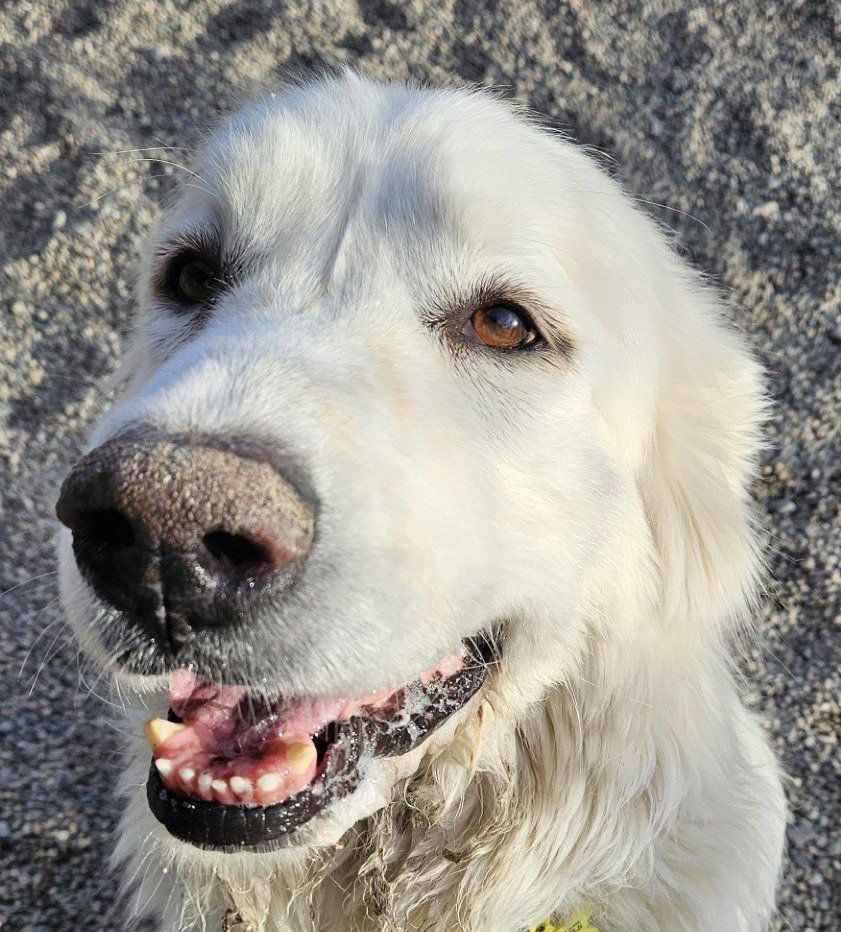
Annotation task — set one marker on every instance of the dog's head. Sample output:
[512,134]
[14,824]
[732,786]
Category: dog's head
[417,403]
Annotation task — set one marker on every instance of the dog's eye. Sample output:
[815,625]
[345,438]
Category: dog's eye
[191,280]
[501,326]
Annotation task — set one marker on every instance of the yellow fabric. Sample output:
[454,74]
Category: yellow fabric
[579,921]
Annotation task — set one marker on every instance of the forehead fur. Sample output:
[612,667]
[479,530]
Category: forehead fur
[347,157]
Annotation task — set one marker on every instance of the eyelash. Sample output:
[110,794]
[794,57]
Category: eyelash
[450,315]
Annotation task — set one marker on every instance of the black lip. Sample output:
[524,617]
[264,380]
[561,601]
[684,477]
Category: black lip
[221,827]
[236,828]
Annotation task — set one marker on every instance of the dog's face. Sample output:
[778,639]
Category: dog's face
[381,428]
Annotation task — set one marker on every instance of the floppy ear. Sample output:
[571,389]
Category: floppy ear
[709,407]
[681,395]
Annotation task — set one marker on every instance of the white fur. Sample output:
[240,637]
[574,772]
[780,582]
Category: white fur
[597,506]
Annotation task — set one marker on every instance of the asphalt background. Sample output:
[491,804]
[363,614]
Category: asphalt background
[727,114]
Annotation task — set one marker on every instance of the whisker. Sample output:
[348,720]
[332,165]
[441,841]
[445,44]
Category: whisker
[201,187]
[164,147]
[674,210]
[133,880]
[120,187]
[39,550]
[41,634]
[51,652]
[88,383]
[91,688]
[26,582]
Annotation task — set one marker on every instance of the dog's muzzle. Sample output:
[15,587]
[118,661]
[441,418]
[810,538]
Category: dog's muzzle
[190,540]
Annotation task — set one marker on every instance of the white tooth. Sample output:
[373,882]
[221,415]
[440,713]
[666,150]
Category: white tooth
[240,785]
[268,782]
[164,766]
[204,781]
[219,785]
[186,774]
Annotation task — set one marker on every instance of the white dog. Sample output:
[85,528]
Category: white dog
[421,537]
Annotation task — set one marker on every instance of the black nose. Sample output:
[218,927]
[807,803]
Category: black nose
[179,534]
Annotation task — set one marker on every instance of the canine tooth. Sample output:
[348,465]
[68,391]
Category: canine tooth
[186,774]
[164,766]
[157,730]
[268,782]
[204,781]
[240,784]
[300,755]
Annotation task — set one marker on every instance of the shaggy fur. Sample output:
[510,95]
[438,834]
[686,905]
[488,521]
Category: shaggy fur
[591,498]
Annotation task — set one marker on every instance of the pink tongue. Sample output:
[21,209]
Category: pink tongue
[218,714]
[231,723]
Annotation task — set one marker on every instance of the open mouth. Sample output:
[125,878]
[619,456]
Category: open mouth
[232,771]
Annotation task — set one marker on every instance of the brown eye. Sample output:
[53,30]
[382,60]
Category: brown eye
[192,281]
[501,326]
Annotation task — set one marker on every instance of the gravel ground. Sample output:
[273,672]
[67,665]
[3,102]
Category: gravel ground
[727,113]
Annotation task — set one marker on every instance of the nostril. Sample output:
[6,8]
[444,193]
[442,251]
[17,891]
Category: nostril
[242,557]
[185,532]
[105,527]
